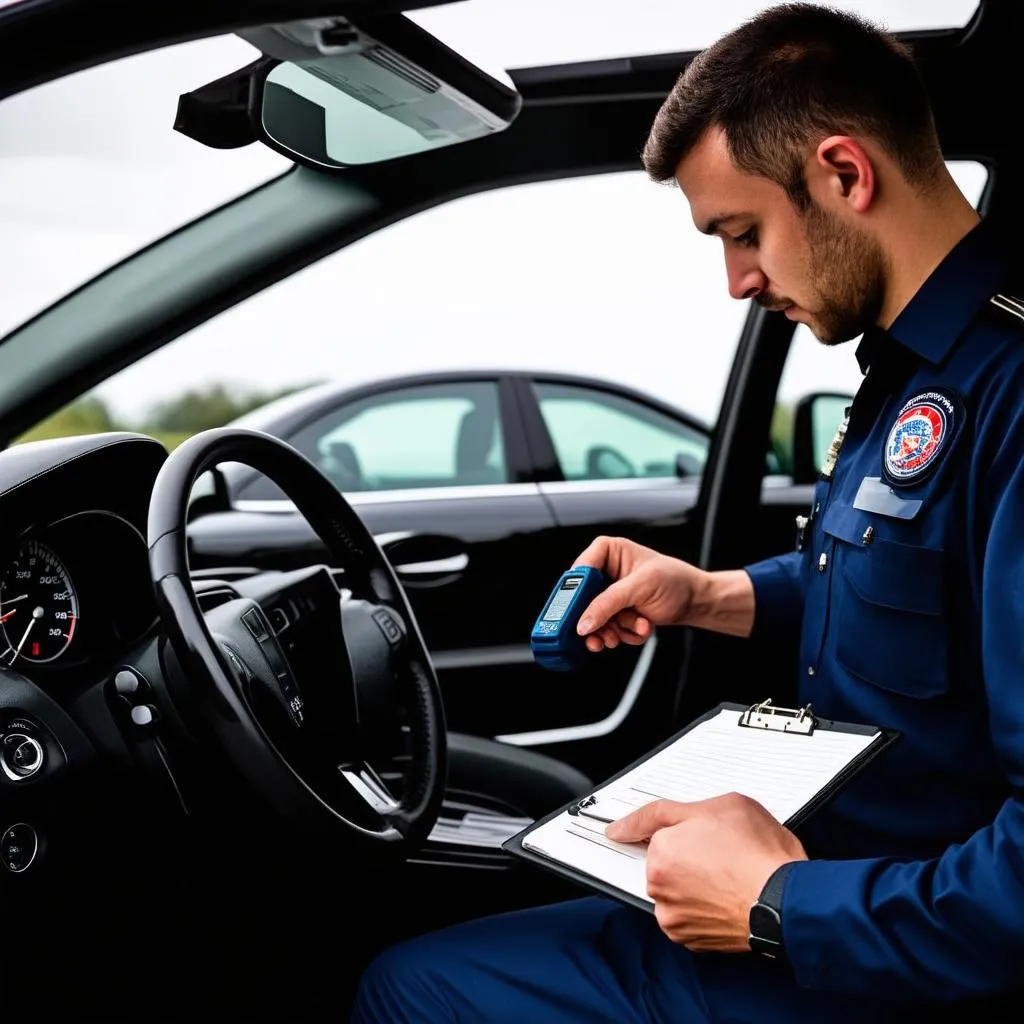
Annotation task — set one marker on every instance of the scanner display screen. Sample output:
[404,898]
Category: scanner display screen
[560,602]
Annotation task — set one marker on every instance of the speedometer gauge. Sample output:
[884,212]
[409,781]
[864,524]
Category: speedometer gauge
[38,606]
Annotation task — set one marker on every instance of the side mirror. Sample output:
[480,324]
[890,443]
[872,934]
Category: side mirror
[209,494]
[815,420]
[688,465]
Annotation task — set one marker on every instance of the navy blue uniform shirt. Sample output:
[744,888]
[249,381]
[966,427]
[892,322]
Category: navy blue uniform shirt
[910,595]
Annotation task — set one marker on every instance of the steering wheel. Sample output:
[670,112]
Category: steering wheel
[307,740]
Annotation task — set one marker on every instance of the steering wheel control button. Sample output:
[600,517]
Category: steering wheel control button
[254,623]
[388,626]
[127,683]
[279,620]
[21,756]
[18,847]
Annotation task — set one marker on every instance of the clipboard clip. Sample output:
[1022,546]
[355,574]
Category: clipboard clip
[767,716]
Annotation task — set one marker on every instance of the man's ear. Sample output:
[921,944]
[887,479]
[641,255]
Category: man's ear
[847,171]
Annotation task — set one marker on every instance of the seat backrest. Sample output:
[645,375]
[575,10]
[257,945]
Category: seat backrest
[475,440]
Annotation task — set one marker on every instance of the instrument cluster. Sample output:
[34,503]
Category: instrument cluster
[72,590]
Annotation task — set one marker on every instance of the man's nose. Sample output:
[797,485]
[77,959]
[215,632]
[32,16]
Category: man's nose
[745,278]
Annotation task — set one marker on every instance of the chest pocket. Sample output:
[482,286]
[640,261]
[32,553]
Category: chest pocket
[887,608]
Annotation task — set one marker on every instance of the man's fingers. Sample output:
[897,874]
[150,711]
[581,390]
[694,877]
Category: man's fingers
[595,555]
[646,820]
[631,624]
[607,604]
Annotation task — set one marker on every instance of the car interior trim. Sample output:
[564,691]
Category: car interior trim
[478,657]
[593,730]
[280,505]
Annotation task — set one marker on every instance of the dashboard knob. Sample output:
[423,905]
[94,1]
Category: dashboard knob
[126,683]
[145,715]
[21,756]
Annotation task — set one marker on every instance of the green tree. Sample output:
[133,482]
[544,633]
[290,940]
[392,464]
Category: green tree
[197,410]
[85,416]
[782,437]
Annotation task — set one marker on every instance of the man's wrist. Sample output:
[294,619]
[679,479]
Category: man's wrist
[722,601]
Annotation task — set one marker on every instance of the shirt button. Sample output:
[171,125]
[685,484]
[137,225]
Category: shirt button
[822,562]
[810,670]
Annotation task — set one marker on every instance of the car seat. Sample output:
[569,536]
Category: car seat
[341,465]
[473,446]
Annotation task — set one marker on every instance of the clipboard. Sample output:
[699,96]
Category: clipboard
[785,725]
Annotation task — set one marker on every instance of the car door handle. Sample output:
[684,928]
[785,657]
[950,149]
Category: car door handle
[434,567]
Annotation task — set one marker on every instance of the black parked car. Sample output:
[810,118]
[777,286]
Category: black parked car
[219,734]
[480,488]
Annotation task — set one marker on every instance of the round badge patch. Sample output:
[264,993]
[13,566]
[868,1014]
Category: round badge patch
[919,437]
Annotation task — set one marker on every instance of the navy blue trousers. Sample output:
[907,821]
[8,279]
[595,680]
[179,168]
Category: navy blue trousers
[588,960]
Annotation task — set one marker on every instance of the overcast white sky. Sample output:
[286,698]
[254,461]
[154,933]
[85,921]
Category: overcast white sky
[605,276]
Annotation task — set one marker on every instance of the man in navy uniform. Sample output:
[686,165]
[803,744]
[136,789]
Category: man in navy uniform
[804,142]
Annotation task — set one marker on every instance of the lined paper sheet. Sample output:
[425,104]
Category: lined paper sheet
[782,771]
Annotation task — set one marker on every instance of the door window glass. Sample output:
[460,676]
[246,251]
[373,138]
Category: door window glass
[599,436]
[439,435]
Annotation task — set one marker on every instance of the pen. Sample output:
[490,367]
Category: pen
[580,810]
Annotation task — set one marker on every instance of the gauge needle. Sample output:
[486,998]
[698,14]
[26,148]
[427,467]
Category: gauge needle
[7,615]
[37,613]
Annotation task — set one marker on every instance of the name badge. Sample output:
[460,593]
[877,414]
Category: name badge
[874,495]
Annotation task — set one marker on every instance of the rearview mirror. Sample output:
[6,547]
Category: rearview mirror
[338,95]
[815,420]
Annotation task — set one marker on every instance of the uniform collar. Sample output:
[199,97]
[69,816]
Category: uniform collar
[943,307]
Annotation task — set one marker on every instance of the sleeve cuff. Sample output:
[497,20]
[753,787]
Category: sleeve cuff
[778,596]
[817,922]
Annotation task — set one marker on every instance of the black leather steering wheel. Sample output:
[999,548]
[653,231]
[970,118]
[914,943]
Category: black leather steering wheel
[308,744]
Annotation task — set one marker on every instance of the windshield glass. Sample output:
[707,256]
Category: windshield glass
[91,170]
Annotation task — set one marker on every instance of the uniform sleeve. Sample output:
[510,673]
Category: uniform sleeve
[953,927]
[778,594]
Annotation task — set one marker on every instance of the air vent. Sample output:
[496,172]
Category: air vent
[212,593]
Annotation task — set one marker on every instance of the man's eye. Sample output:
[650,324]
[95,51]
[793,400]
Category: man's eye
[748,238]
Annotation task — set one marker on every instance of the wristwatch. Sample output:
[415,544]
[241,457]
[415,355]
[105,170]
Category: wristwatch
[766,916]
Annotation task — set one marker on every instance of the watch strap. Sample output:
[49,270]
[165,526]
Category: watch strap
[766,915]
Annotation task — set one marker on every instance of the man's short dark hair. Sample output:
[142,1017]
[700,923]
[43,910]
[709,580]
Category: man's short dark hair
[785,79]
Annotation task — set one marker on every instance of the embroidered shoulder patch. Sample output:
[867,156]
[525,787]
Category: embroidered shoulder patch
[921,435]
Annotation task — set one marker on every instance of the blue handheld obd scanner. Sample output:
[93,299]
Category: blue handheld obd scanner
[554,641]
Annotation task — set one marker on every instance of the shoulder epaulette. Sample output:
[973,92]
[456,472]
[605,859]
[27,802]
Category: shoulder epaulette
[1011,306]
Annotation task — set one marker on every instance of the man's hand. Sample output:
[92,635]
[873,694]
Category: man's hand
[651,589]
[707,863]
